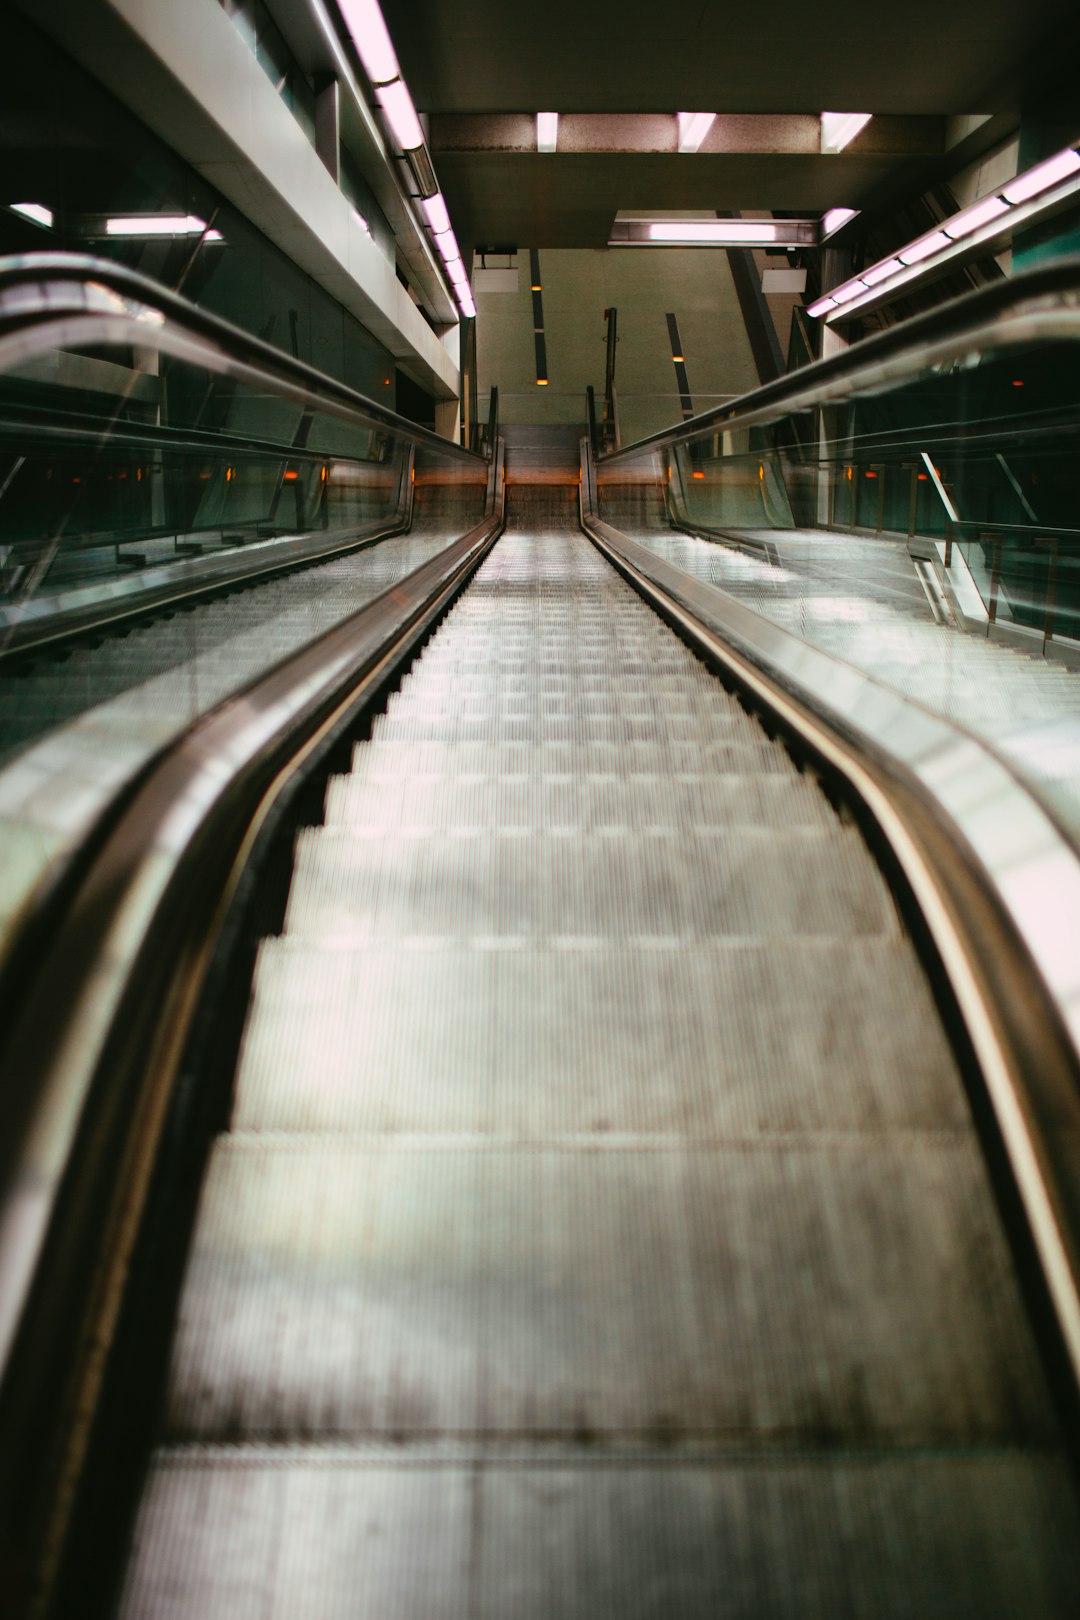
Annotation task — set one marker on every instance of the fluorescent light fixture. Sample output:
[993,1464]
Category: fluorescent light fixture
[737,232]
[465,299]
[835,217]
[924,248]
[457,272]
[35,211]
[820,305]
[447,245]
[437,216]
[880,272]
[1026,198]
[365,23]
[970,219]
[159,225]
[840,129]
[693,128]
[849,290]
[397,104]
[547,131]
[1042,176]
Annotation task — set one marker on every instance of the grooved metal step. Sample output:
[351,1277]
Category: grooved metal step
[601,1227]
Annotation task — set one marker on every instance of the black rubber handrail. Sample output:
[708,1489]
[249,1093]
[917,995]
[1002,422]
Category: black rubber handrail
[40,289]
[81,1130]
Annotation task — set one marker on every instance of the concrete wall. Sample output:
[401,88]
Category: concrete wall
[643,285]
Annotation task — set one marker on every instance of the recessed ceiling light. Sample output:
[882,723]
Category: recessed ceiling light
[834,218]
[693,128]
[739,232]
[35,211]
[840,129]
[157,225]
[547,131]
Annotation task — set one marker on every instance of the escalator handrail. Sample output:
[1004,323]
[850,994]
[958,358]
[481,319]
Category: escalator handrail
[42,291]
[97,1070]
[1043,302]
[980,855]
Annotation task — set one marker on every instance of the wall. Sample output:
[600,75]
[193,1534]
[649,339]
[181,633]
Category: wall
[643,285]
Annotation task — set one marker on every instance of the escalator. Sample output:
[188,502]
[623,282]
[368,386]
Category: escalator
[533,1105]
[600,1225]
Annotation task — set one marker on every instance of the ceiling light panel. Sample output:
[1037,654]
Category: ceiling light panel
[35,211]
[840,129]
[156,225]
[547,131]
[693,128]
[834,218]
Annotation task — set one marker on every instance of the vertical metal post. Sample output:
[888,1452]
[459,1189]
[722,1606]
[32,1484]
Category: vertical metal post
[1051,591]
[611,317]
[913,500]
[995,579]
[590,417]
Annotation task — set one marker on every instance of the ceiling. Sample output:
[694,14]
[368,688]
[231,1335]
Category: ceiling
[470,64]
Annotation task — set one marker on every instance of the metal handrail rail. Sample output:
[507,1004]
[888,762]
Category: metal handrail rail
[491,432]
[49,299]
[997,939]
[96,1075]
[1043,302]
